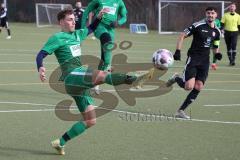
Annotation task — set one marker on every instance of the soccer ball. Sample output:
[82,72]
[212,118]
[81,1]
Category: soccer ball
[162,59]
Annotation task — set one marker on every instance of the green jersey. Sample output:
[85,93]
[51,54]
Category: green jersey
[66,47]
[115,7]
[217,23]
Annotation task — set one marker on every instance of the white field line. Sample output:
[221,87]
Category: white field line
[175,66]
[217,90]
[53,63]
[113,90]
[221,105]
[118,111]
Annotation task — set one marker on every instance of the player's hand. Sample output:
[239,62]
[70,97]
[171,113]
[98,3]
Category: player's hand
[42,74]
[214,66]
[113,24]
[177,55]
[102,12]
[218,56]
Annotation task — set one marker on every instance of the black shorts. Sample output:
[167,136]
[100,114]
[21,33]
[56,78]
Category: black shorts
[4,23]
[196,67]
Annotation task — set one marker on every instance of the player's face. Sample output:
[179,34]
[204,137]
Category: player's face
[232,8]
[78,4]
[68,23]
[211,16]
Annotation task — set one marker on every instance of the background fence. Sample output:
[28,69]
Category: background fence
[139,11]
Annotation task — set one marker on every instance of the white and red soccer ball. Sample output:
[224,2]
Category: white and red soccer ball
[162,59]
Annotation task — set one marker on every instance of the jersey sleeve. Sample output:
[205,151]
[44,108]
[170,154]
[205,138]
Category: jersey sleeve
[216,41]
[82,33]
[123,13]
[190,30]
[4,13]
[52,45]
[91,6]
[238,20]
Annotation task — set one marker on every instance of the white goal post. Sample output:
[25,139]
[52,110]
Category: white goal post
[175,16]
[46,13]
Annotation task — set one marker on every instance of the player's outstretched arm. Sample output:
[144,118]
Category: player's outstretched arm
[180,40]
[177,54]
[39,60]
[4,14]
[123,14]
[91,6]
[92,27]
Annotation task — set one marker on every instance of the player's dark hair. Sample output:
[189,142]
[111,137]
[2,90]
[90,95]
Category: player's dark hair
[62,14]
[211,9]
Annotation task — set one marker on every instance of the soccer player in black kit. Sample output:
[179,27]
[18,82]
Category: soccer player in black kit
[78,12]
[4,20]
[205,36]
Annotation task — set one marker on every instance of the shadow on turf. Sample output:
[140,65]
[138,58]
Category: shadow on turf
[10,151]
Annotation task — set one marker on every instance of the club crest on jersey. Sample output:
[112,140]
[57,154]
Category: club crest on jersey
[114,4]
[213,34]
[75,50]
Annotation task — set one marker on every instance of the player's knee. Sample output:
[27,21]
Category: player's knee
[90,116]
[105,38]
[91,122]
[100,77]
[198,85]
[199,88]
[188,86]
[106,42]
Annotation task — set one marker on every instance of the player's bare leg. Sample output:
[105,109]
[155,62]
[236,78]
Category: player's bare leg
[197,86]
[78,128]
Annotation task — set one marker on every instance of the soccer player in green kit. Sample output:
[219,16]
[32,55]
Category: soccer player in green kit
[66,47]
[217,23]
[106,29]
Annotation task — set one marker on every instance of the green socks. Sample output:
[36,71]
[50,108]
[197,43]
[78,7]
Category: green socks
[116,78]
[106,56]
[214,59]
[76,130]
[119,78]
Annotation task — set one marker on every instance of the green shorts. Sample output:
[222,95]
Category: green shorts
[84,101]
[78,84]
[102,28]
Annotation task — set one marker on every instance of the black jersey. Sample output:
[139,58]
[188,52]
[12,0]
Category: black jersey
[204,37]
[78,17]
[3,13]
